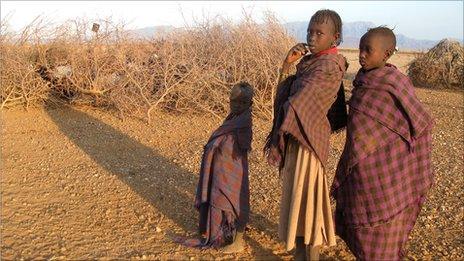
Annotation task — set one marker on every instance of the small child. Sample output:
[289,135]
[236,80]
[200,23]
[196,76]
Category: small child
[222,197]
[299,140]
[385,169]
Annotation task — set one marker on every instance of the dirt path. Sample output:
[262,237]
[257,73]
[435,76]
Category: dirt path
[82,184]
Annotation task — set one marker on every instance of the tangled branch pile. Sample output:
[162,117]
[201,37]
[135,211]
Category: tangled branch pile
[188,70]
[441,67]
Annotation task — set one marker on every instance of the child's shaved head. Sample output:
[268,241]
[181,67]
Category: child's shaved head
[241,97]
[387,35]
[376,47]
[243,91]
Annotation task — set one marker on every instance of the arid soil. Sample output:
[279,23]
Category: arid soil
[80,183]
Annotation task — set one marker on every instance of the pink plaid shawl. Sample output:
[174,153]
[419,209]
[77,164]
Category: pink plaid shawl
[386,162]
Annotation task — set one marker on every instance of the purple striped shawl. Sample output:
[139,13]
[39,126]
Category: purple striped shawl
[386,162]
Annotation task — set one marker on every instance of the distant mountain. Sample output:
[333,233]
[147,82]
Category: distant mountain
[152,31]
[353,31]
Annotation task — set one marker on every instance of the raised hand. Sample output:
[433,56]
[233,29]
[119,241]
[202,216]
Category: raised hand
[296,52]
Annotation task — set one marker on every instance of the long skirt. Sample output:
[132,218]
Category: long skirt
[305,205]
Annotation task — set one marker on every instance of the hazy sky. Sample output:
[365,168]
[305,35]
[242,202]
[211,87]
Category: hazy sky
[432,20]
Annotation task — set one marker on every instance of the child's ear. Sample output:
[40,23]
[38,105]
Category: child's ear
[337,37]
[388,54]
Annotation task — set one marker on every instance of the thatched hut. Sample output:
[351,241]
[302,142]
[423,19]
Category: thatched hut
[441,67]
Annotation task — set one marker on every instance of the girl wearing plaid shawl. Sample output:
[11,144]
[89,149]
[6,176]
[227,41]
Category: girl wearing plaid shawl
[385,168]
[222,196]
[307,107]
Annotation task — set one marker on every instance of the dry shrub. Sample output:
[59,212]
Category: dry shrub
[19,82]
[188,70]
[441,67]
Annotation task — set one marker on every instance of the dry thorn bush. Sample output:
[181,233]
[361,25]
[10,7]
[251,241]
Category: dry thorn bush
[441,67]
[188,70]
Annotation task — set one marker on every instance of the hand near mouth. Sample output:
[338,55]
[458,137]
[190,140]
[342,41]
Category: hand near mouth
[293,55]
[296,52]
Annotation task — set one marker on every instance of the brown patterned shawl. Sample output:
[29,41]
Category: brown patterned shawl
[310,104]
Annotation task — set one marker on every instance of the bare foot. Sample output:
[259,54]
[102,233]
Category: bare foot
[313,252]
[235,247]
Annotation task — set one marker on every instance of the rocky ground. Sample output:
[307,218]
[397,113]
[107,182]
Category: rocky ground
[79,183]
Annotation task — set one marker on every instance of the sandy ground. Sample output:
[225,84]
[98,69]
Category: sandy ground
[79,183]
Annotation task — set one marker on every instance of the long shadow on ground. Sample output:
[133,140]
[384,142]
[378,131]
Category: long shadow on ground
[160,182]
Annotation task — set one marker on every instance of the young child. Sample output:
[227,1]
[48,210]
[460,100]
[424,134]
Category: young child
[385,168]
[222,197]
[299,140]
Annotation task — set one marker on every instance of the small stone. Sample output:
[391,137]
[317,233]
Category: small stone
[158,229]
